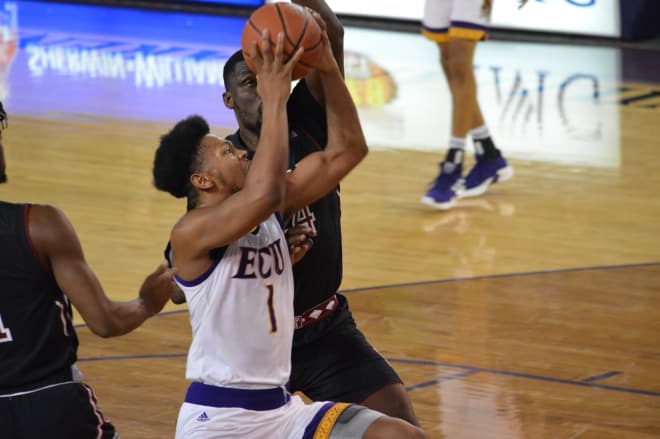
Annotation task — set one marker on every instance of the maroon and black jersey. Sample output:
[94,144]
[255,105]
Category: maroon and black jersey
[331,360]
[318,275]
[37,341]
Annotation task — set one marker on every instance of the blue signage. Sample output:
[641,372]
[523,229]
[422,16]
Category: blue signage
[111,61]
[581,3]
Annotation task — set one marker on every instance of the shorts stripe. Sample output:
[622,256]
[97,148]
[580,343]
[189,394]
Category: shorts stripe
[468,31]
[329,420]
[311,427]
[440,35]
[321,425]
[27,392]
[459,29]
[97,412]
[468,25]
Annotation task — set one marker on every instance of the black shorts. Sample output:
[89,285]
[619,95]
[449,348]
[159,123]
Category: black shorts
[338,363]
[63,411]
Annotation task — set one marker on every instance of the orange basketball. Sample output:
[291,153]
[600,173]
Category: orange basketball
[299,28]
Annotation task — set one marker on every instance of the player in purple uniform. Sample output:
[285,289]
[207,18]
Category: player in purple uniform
[228,249]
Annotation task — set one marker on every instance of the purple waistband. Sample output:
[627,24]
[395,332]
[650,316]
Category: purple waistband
[249,399]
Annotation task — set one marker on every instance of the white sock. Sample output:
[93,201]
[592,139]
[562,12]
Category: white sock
[479,133]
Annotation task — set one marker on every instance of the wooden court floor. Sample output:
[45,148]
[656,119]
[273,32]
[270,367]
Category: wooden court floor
[531,312]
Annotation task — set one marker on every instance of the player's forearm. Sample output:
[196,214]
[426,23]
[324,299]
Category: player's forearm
[330,18]
[271,161]
[120,318]
[344,129]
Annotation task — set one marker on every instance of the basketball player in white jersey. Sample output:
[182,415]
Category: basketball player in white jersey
[234,268]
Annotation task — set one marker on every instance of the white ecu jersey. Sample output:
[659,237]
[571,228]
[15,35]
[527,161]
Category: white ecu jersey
[241,313]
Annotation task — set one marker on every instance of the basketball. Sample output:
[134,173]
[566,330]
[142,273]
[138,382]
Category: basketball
[300,30]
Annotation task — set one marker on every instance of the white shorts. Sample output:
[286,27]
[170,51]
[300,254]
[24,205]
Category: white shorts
[466,19]
[289,421]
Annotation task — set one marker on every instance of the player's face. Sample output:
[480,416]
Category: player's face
[226,165]
[244,99]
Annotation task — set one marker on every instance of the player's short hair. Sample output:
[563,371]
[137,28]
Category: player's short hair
[230,67]
[177,156]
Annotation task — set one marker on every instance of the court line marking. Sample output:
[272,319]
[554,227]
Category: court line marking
[602,376]
[505,275]
[527,376]
[457,376]
[459,279]
[469,370]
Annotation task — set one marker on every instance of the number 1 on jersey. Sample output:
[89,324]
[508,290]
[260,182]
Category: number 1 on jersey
[271,309]
[5,333]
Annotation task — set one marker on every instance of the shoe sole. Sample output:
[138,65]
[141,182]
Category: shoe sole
[428,201]
[503,174]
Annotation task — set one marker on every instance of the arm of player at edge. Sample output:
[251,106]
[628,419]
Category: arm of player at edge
[321,171]
[335,35]
[58,246]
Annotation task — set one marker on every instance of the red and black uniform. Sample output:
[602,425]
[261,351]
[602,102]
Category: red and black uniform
[331,359]
[40,392]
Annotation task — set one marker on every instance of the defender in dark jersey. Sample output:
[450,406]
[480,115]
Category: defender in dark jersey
[43,271]
[332,360]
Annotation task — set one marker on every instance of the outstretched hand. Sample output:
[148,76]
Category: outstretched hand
[300,239]
[179,296]
[158,288]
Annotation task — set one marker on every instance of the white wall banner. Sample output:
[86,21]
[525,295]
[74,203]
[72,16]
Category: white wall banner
[587,17]
[590,17]
[403,10]
[542,102]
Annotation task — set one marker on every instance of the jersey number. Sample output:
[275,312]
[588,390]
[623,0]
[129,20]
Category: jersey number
[304,216]
[271,310]
[5,333]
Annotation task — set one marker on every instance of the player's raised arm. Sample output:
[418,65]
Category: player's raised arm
[336,37]
[229,194]
[320,172]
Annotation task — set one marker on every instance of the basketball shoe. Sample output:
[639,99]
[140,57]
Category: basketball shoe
[444,190]
[483,174]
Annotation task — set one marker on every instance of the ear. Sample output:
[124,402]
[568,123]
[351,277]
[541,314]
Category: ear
[201,180]
[228,100]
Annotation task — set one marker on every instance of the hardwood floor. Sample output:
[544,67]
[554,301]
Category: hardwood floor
[532,311]
[529,312]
